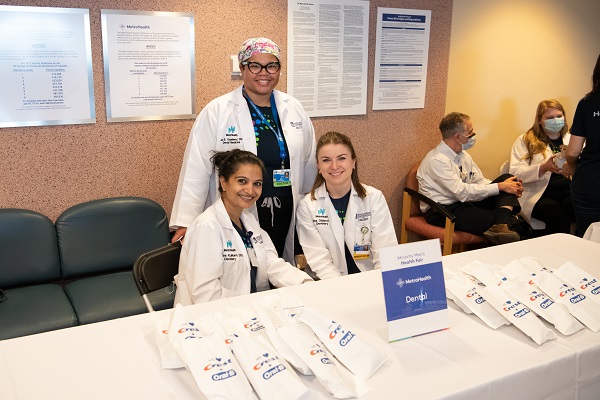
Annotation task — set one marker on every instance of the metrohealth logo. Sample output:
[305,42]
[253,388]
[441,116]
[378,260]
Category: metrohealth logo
[231,129]
[321,211]
[229,244]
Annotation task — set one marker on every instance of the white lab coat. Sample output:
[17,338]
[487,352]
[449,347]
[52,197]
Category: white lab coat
[225,124]
[323,236]
[214,263]
[528,172]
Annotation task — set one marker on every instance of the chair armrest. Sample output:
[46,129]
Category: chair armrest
[436,206]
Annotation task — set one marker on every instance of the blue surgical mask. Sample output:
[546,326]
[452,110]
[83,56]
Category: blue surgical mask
[554,125]
[470,143]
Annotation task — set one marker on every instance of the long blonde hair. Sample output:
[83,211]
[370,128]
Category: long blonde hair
[535,138]
[338,138]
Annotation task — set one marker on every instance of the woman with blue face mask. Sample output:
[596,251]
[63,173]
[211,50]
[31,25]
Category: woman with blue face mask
[536,159]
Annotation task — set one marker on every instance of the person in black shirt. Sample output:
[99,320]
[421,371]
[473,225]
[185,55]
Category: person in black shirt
[585,169]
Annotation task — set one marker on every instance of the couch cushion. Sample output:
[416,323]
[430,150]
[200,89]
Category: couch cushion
[108,235]
[109,296]
[28,249]
[35,309]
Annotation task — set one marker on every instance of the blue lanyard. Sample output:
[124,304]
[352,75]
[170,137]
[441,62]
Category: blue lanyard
[278,135]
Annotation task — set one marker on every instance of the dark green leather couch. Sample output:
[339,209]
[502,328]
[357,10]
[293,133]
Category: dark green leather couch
[79,269]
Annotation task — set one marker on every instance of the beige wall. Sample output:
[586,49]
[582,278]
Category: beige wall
[49,169]
[506,56]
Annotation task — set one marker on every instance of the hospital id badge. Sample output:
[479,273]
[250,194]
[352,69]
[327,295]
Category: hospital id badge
[252,256]
[281,178]
[361,251]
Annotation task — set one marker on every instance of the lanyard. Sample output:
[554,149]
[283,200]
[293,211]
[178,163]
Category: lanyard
[277,132]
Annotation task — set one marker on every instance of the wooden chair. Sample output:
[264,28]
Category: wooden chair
[414,220]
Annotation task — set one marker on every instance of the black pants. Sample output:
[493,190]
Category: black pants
[476,217]
[275,217]
[558,215]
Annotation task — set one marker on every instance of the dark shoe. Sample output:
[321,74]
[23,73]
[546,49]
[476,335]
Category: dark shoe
[500,234]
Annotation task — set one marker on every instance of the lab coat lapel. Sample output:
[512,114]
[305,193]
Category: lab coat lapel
[337,228]
[350,221]
[245,121]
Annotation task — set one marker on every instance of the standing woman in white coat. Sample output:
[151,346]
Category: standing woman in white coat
[536,160]
[342,223]
[257,118]
[225,252]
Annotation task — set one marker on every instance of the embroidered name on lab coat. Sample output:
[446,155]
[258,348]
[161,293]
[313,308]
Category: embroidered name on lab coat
[231,254]
[231,137]
[257,239]
[321,218]
[360,217]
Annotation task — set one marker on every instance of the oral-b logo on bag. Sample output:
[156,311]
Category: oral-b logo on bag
[477,296]
[576,299]
[509,307]
[345,339]
[319,352]
[254,325]
[268,374]
[545,302]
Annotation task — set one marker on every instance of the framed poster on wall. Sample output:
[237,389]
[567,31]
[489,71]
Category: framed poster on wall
[149,67]
[45,67]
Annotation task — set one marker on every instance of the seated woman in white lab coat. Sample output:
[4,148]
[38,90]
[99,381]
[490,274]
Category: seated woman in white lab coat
[342,223]
[536,160]
[225,252]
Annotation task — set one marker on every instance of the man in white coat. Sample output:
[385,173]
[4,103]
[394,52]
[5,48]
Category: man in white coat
[264,121]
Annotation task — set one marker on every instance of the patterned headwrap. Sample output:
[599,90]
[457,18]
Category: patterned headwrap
[255,46]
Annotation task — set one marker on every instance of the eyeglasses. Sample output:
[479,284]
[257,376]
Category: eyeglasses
[469,135]
[256,68]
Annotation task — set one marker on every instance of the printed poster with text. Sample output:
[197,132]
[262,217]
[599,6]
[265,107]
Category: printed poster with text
[401,53]
[414,289]
[149,67]
[328,56]
[45,67]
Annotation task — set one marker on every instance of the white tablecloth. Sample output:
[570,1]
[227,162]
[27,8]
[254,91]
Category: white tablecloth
[118,359]
[593,232]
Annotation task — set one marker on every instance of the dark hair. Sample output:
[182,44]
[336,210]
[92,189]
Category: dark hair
[453,123]
[596,77]
[338,138]
[227,162]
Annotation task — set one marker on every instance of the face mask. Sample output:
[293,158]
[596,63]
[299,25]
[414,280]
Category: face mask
[554,125]
[470,143]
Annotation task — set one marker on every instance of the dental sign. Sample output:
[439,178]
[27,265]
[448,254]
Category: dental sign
[414,290]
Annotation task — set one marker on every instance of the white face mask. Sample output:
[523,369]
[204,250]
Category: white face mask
[470,143]
[554,125]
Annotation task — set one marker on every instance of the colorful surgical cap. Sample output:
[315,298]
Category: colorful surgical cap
[255,46]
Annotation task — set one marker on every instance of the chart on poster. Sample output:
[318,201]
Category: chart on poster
[45,64]
[149,70]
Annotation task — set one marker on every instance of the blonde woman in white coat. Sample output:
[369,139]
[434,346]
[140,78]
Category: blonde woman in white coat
[342,223]
[546,201]
[226,253]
